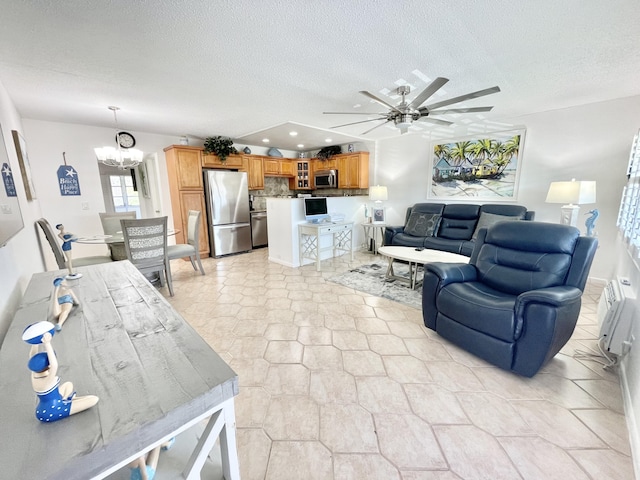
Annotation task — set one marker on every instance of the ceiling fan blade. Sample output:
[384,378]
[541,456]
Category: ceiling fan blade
[479,93]
[355,123]
[436,121]
[371,129]
[354,113]
[381,102]
[460,110]
[427,92]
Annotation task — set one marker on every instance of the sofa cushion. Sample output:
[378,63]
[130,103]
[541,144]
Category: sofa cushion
[488,219]
[422,224]
[458,221]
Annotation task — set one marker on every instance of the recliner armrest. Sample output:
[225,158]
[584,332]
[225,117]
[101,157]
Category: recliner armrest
[390,232]
[451,272]
[556,296]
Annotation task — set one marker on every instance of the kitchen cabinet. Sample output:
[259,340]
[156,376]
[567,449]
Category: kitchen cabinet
[277,167]
[302,179]
[213,161]
[184,169]
[329,164]
[255,172]
[353,170]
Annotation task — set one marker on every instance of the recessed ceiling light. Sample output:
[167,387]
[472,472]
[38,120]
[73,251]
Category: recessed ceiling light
[300,145]
[327,140]
[265,140]
[293,134]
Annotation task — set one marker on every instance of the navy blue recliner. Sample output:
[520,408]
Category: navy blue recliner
[517,301]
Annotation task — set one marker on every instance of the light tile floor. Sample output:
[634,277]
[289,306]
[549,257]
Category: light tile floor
[339,384]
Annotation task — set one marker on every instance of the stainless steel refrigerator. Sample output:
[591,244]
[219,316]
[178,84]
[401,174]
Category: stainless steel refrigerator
[227,195]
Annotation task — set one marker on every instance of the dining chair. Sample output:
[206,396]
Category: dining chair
[53,240]
[111,226]
[190,249]
[145,241]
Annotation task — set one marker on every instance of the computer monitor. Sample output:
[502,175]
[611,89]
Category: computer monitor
[315,209]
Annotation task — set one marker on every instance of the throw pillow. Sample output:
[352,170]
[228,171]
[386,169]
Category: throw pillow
[422,224]
[488,219]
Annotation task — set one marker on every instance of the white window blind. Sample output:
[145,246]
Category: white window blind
[629,213]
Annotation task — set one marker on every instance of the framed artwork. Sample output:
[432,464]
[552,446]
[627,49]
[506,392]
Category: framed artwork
[481,167]
[23,161]
[378,215]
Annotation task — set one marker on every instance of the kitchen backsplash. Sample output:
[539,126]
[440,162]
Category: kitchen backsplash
[279,187]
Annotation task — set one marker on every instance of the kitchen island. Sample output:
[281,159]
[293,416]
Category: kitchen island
[284,216]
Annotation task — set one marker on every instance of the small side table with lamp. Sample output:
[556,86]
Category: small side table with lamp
[372,228]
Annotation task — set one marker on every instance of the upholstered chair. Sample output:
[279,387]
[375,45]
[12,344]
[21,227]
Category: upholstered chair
[517,302]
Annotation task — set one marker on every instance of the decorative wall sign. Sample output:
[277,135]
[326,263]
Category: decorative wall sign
[68,181]
[483,167]
[7,180]
[23,160]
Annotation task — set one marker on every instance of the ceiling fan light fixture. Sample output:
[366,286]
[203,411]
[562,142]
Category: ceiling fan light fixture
[403,121]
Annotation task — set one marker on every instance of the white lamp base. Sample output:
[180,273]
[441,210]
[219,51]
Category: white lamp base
[569,215]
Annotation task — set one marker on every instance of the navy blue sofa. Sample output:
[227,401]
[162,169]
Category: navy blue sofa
[456,226]
[517,301]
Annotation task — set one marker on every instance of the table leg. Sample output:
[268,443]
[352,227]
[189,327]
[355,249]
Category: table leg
[412,275]
[221,423]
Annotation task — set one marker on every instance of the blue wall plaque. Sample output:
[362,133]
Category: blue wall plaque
[7,179]
[68,181]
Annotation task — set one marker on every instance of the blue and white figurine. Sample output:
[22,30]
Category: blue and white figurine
[591,221]
[67,240]
[55,400]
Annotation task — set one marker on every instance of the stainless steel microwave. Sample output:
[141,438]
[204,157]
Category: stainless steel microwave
[326,178]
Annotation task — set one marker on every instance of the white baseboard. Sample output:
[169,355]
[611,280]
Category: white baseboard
[632,421]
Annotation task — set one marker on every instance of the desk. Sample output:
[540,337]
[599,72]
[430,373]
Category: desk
[309,235]
[371,232]
[155,376]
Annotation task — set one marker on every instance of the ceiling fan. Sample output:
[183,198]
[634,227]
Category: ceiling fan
[404,114]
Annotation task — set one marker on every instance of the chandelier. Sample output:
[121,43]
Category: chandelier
[119,156]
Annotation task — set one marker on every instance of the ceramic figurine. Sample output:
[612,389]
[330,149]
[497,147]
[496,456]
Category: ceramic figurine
[55,401]
[63,301]
[67,239]
[591,221]
[144,467]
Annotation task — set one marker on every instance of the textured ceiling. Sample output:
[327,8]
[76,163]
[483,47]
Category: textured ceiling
[234,67]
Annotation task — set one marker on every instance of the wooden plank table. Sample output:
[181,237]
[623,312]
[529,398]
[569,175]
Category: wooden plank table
[154,374]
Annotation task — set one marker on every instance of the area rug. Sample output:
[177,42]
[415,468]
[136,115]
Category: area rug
[370,279]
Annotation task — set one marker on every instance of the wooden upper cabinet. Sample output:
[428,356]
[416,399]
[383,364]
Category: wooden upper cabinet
[353,170]
[277,167]
[329,164]
[255,172]
[213,161]
[184,165]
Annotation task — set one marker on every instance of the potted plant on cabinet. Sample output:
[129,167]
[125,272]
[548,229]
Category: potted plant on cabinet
[220,146]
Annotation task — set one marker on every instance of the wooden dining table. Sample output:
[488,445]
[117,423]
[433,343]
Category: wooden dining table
[156,378]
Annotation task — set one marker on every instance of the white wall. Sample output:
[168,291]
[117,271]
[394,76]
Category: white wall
[46,142]
[19,258]
[589,142]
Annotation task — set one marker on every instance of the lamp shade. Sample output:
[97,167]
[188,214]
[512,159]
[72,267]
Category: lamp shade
[573,192]
[378,193]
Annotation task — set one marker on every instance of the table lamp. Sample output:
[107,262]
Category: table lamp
[378,194]
[571,194]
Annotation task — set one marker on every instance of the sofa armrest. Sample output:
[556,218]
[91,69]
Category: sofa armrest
[436,276]
[545,320]
[390,232]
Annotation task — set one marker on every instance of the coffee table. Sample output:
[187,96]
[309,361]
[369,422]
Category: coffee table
[414,258]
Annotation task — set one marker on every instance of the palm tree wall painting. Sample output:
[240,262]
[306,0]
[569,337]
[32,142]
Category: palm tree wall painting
[481,167]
